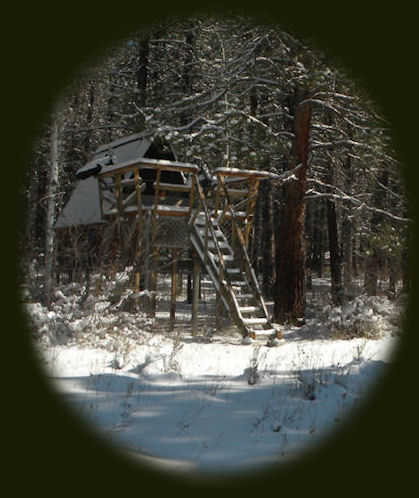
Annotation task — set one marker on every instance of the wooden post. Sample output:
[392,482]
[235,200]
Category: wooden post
[218,311]
[156,203]
[250,209]
[206,241]
[153,281]
[139,237]
[189,288]
[195,294]
[146,242]
[136,289]
[175,253]
[154,249]
[191,196]
[217,196]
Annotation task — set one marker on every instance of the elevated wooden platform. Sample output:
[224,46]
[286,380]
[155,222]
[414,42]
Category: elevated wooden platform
[215,232]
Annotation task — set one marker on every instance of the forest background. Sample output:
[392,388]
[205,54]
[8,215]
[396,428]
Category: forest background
[230,93]
[381,59]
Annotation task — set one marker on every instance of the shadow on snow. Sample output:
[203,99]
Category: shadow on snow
[215,422]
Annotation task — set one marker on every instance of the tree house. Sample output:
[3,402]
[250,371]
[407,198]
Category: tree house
[160,205]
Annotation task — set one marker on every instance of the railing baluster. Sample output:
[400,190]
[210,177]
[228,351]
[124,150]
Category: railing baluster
[248,266]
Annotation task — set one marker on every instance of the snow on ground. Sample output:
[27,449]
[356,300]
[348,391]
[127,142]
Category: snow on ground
[217,406]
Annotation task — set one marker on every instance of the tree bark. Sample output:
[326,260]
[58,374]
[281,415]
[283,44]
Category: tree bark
[268,242]
[335,271]
[373,261]
[347,245]
[371,273]
[50,217]
[392,277]
[406,270]
[347,232]
[142,71]
[290,285]
[335,257]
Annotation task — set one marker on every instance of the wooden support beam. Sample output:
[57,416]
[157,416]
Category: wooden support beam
[139,234]
[217,196]
[192,195]
[118,194]
[146,163]
[242,173]
[154,216]
[248,266]
[154,249]
[140,220]
[126,182]
[195,294]
[234,192]
[195,215]
[223,213]
[175,253]
[206,240]
[218,311]
[173,187]
[250,209]
[153,281]
[146,243]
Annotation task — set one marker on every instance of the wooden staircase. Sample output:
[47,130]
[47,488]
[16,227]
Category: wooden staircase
[231,273]
[228,201]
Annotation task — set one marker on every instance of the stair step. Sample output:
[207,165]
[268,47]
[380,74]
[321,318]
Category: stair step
[249,309]
[245,296]
[255,321]
[226,257]
[234,270]
[217,231]
[222,245]
[201,221]
[240,283]
[264,331]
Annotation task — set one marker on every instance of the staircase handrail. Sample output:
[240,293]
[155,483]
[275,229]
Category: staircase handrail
[249,268]
[224,273]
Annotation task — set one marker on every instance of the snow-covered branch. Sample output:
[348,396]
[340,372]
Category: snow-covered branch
[313,194]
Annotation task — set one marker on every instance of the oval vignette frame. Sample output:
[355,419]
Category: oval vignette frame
[64,436]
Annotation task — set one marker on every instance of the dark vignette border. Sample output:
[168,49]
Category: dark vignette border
[47,450]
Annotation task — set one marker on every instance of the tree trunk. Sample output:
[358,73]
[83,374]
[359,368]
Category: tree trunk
[374,258]
[347,242]
[347,246]
[290,285]
[268,242]
[319,242]
[29,242]
[392,277]
[50,217]
[371,273]
[142,71]
[335,258]
[337,290]
[187,73]
[405,270]
[89,118]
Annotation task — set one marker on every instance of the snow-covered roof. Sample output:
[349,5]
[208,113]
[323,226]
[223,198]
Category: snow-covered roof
[114,153]
[83,208]
[124,149]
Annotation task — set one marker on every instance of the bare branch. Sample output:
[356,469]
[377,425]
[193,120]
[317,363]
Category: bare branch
[313,194]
